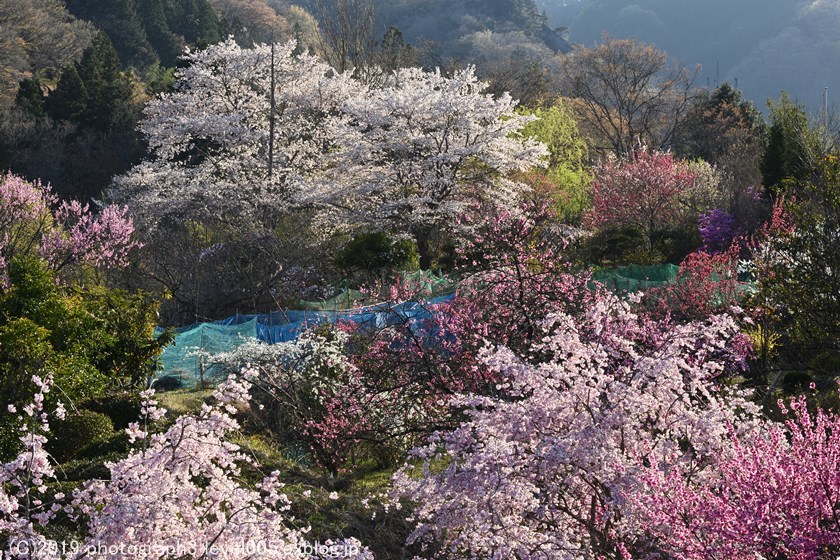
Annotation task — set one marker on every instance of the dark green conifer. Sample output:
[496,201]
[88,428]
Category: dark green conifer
[69,100]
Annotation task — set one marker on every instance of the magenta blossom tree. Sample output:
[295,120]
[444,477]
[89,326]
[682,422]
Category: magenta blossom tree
[643,191]
[777,495]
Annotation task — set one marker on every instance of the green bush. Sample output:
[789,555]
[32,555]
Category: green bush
[378,251]
[89,338]
[78,430]
[117,445]
[121,408]
[84,469]
[613,247]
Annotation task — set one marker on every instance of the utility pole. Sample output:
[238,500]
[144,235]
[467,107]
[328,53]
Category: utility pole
[271,118]
[825,107]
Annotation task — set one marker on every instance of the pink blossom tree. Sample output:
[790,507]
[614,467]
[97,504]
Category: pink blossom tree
[181,492]
[25,504]
[184,486]
[777,495]
[33,221]
[644,192]
[542,471]
[516,272]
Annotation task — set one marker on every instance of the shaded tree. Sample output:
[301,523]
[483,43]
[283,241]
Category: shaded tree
[348,33]
[627,93]
[801,283]
[120,20]
[727,131]
[30,97]
[109,87]
[394,52]
[69,100]
[167,44]
[96,92]
[37,39]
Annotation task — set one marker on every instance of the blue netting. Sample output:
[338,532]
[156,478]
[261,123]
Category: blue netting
[193,344]
[187,356]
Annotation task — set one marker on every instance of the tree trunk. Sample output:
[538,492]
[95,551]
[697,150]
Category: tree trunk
[423,249]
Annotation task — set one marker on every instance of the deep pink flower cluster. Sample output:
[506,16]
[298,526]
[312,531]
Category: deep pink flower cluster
[643,191]
[706,283]
[776,495]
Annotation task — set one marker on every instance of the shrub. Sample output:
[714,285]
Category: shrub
[378,251]
[717,229]
[121,408]
[78,430]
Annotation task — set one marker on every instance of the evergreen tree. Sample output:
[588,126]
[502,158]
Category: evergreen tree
[68,102]
[109,88]
[30,97]
[163,40]
[120,19]
[395,53]
[792,147]
[197,22]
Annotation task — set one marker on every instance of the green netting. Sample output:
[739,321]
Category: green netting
[425,282]
[347,299]
[186,358]
[636,278]
[429,282]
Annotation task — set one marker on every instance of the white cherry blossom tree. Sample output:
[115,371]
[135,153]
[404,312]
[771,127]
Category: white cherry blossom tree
[425,146]
[243,131]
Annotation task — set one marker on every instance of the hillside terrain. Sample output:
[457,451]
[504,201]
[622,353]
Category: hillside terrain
[767,45]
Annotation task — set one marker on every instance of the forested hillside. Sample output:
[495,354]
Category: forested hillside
[767,45]
[76,75]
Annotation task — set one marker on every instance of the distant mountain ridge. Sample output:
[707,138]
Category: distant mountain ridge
[767,45]
[447,23]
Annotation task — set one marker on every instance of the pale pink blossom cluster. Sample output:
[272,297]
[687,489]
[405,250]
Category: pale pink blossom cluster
[182,490]
[103,240]
[544,471]
[25,503]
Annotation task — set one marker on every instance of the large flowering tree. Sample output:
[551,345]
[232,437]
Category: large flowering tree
[426,145]
[541,471]
[774,496]
[239,136]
